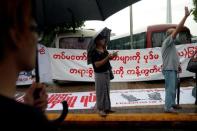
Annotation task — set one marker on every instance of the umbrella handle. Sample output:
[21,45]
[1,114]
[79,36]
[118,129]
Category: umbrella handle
[63,114]
[37,75]
[73,19]
[64,103]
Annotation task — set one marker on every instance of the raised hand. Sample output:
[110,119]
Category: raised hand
[187,12]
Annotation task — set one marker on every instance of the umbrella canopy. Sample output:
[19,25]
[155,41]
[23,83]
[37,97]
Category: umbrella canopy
[105,32]
[55,12]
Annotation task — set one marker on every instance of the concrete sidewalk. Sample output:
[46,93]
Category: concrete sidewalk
[125,118]
[131,117]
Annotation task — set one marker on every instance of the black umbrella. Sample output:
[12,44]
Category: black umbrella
[105,32]
[55,12]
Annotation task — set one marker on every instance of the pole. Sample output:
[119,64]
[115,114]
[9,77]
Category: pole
[169,12]
[131,27]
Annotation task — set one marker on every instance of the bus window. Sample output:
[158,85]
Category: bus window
[139,41]
[158,38]
[74,42]
[120,44]
[123,43]
[194,39]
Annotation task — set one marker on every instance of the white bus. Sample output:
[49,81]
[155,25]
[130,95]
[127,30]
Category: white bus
[74,40]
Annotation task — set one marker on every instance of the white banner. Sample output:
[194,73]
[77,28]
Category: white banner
[130,65]
[26,78]
[119,98]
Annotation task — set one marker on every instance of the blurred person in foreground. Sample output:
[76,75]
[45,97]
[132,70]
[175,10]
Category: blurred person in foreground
[171,65]
[18,40]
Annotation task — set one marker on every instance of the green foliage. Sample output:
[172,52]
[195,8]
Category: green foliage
[50,32]
[195,10]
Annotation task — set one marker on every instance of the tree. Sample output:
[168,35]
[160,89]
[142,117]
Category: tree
[50,32]
[195,10]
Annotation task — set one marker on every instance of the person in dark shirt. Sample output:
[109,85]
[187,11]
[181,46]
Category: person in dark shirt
[17,53]
[102,68]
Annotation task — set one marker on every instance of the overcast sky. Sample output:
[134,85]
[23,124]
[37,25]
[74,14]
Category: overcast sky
[145,12]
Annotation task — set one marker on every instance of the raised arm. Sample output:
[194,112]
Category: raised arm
[181,24]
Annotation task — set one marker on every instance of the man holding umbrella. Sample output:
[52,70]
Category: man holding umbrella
[99,57]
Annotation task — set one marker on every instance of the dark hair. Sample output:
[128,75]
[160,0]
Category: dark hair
[12,14]
[100,37]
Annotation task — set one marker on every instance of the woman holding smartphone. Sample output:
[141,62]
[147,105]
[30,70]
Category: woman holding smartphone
[102,68]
